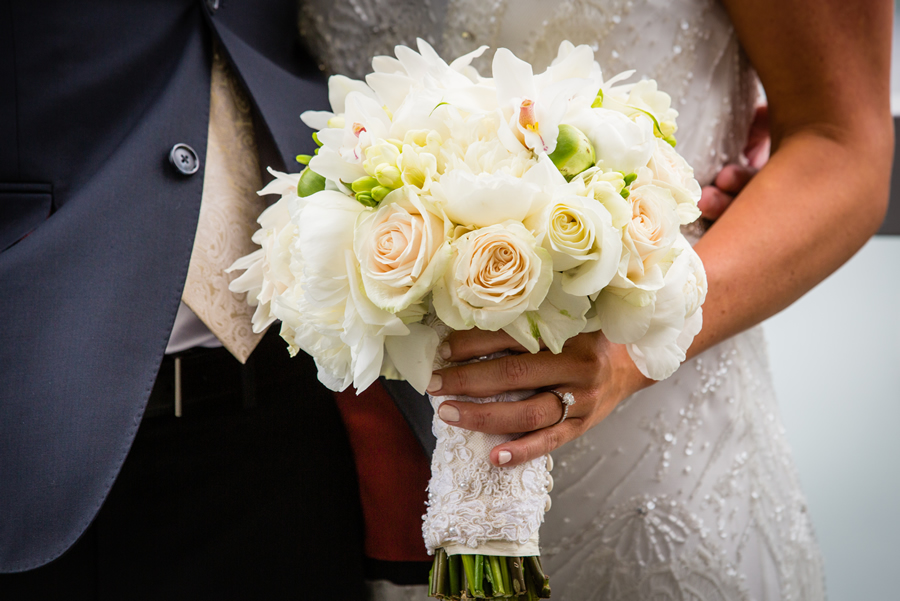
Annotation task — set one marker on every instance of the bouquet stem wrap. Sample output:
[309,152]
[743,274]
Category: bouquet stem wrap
[485,514]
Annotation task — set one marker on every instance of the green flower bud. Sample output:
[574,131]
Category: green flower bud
[574,152]
[304,159]
[625,193]
[364,184]
[310,183]
[598,101]
[630,178]
[366,199]
[379,192]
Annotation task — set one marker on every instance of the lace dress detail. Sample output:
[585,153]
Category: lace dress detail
[687,491]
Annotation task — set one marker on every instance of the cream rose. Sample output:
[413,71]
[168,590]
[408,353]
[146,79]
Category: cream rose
[669,170]
[581,240]
[402,248]
[653,229]
[497,273]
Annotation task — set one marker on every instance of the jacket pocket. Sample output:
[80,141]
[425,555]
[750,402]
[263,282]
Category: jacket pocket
[23,207]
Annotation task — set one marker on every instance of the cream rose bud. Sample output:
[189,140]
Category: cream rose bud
[496,274]
[653,229]
[671,171]
[582,242]
[402,248]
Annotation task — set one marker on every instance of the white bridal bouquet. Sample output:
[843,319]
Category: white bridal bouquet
[543,205]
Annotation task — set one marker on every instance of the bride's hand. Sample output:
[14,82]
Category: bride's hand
[717,197]
[598,373]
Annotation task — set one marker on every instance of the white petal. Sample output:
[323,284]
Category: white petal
[392,88]
[463,61]
[387,64]
[413,355]
[339,86]
[513,77]
[316,119]
[329,164]
[560,317]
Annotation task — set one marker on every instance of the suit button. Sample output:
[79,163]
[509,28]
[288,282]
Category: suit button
[184,159]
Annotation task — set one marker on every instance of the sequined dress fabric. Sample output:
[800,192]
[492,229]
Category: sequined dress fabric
[687,491]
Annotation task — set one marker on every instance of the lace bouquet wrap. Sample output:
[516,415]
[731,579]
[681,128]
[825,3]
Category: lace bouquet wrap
[438,199]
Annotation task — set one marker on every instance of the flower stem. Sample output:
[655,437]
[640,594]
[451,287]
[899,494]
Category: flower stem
[455,576]
[541,580]
[516,567]
[488,577]
[496,577]
[439,578]
[468,562]
[479,577]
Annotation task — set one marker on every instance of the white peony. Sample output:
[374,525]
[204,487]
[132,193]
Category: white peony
[677,317]
[267,272]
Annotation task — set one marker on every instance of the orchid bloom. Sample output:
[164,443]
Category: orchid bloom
[532,111]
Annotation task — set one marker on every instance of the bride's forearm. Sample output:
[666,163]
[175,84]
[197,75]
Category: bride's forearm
[817,201]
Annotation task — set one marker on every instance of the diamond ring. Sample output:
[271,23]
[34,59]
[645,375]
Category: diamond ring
[567,399]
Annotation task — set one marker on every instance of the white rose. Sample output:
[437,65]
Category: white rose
[620,143]
[582,242]
[671,171]
[497,273]
[402,248]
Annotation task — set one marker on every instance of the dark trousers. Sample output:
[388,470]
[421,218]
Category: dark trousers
[251,494]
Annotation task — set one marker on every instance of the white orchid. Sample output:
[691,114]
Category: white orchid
[532,112]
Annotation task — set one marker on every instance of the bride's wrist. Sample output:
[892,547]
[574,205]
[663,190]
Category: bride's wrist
[629,377]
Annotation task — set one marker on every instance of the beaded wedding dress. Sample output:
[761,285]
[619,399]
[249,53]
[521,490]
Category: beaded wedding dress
[687,491]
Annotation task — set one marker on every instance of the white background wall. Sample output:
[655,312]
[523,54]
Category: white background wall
[835,358]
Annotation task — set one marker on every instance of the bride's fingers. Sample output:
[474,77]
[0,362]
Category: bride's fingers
[513,372]
[463,345]
[713,202]
[540,411]
[538,443]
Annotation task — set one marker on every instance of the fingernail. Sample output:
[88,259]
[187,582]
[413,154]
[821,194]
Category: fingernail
[444,350]
[448,413]
[435,383]
[504,457]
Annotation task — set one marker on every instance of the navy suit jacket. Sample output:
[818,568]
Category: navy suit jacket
[96,227]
